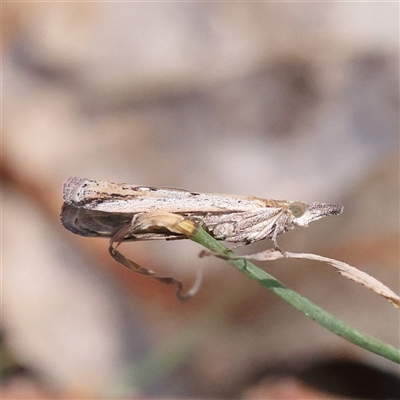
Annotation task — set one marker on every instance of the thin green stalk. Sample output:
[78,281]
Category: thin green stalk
[304,305]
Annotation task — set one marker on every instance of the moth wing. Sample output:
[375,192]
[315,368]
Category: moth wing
[132,199]
[249,226]
[90,223]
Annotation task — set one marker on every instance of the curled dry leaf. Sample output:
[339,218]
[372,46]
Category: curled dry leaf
[345,269]
[174,223]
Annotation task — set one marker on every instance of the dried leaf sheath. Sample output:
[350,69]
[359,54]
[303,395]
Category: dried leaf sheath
[176,222]
[344,269]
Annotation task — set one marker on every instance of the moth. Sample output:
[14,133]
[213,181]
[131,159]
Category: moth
[95,208]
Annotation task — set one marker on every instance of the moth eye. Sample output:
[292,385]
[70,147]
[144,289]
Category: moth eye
[298,209]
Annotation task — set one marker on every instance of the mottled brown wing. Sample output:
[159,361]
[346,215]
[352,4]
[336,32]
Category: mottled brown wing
[91,223]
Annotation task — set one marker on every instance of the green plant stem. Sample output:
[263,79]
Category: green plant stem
[304,305]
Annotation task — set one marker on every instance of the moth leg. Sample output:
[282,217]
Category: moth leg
[277,247]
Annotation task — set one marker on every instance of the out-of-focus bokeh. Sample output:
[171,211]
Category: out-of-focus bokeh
[294,101]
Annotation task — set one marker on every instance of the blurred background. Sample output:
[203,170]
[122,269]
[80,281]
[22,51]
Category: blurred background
[296,101]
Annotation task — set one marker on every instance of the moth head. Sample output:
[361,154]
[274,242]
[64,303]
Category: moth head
[304,213]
